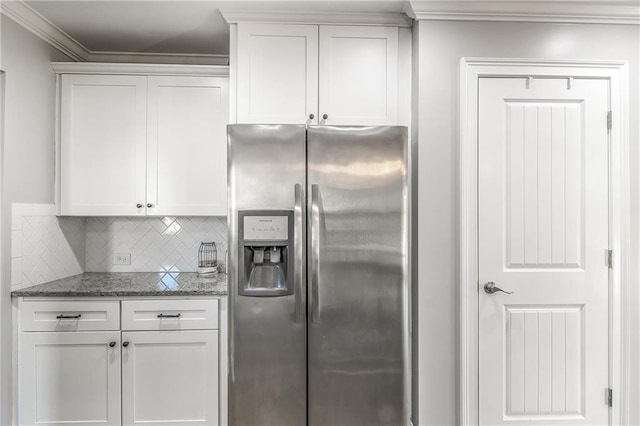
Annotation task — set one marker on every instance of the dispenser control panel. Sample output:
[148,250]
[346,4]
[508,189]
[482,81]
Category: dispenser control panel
[265,228]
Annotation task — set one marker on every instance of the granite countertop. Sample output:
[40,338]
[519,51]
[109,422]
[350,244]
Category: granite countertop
[129,284]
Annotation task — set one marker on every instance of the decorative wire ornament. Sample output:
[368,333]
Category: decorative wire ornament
[207,255]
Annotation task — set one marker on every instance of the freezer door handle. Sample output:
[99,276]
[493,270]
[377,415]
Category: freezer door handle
[298,230]
[315,252]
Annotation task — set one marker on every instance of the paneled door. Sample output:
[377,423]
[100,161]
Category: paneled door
[358,75]
[278,70]
[103,143]
[543,237]
[187,145]
[70,378]
[170,378]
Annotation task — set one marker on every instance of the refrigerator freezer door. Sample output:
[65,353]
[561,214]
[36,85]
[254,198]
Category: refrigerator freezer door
[267,348]
[358,278]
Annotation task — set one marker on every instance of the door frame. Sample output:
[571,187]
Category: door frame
[616,72]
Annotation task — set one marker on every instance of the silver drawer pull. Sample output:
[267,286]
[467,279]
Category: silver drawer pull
[169,316]
[68,316]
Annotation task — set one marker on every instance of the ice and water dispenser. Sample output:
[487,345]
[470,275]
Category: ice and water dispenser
[265,258]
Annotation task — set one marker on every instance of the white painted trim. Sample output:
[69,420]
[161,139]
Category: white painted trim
[34,22]
[311,17]
[568,11]
[233,73]
[43,28]
[139,69]
[161,58]
[471,69]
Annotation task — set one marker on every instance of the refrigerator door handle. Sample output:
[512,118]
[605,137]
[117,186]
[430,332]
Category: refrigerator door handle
[315,252]
[299,251]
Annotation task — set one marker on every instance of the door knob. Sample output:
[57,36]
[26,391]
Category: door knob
[491,288]
[311,116]
[325,116]
[125,344]
[112,344]
[149,205]
[139,205]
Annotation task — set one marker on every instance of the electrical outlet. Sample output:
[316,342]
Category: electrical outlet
[121,259]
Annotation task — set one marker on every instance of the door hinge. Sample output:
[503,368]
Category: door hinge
[609,120]
[610,258]
[609,397]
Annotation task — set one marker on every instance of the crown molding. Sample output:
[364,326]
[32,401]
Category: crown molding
[31,20]
[37,24]
[139,69]
[159,58]
[625,12]
[327,18]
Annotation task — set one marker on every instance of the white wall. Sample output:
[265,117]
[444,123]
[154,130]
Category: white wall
[28,157]
[441,45]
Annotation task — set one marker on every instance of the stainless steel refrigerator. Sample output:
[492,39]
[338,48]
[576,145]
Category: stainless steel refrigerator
[318,275]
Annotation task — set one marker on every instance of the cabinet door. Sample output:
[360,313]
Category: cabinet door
[187,146]
[277,73]
[358,75]
[102,145]
[170,378]
[69,378]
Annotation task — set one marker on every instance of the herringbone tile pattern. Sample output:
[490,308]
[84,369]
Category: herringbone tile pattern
[44,247]
[156,244]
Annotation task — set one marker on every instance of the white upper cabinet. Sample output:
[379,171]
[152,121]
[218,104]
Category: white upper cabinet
[310,74]
[187,161]
[277,73]
[142,145]
[358,75]
[102,144]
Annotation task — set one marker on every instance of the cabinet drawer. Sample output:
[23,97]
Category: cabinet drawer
[70,315]
[170,315]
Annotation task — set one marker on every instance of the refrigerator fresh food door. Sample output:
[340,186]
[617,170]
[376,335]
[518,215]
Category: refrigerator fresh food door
[357,276]
[267,348]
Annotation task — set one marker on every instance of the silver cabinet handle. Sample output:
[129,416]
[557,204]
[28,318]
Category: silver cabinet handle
[149,205]
[491,288]
[169,316]
[325,116]
[315,253]
[312,116]
[298,277]
[139,205]
[68,316]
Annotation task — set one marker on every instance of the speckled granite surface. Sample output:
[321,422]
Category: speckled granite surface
[130,284]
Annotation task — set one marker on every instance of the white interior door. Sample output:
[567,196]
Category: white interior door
[543,235]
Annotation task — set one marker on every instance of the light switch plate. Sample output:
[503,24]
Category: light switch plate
[121,259]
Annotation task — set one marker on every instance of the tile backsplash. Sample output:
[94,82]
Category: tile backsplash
[44,247]
[156,244]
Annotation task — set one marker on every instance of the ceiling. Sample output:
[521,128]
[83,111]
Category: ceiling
[194,31]
[172,27]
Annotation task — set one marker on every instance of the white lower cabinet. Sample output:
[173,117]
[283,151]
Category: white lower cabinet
[170,377]
[70,378]
[166,370]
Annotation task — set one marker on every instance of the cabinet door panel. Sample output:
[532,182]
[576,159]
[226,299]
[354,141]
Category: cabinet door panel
[102,145]
[358,75]
[170,378]
[187,150]
[278,73]
[70,378]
